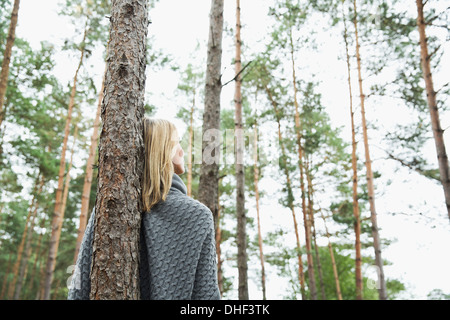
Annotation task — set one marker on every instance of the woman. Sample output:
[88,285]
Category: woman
[177,241]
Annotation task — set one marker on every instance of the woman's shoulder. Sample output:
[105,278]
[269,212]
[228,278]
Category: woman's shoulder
[189,205]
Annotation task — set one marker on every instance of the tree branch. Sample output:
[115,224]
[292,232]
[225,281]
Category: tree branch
[237,75]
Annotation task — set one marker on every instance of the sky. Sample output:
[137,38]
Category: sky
[419,254]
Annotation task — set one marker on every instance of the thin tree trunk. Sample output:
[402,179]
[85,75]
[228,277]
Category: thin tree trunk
[88,175]
[301,275]
[333,261]
[256,180]
[59,191]
[5,278]
[298,129]
[313,227]
[369,174]
[7,57]
[218,246]
[209,170]
[356,213]
[191,136]
[24,261]
[438,133]
[38,248]
[16,266]
[239,167]
[118,204]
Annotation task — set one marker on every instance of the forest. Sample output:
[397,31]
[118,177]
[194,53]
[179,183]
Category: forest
[330,176]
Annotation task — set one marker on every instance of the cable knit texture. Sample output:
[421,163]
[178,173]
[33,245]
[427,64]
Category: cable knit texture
[177,251]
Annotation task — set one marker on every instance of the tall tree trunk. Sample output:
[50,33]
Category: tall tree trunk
[218,246]
[333,261]
[118,204]
[298,130]
[313,227]
[239,167]
[59,191]
[369,174]
[5,278]
[256,181]
[356,214]
[190,143]
[209,170]
[16,266]
[301,275]
[438,133]
[7,57]
[24,262]
[88,175]
[37,255]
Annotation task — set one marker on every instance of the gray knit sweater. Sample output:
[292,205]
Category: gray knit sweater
[177,251]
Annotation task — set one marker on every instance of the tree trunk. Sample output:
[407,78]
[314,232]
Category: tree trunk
[333,261]
[298,129]
[5,278]
[24,262]
[89,174]
[369,174]
[357,221]
[239,167]
[208,182]
[218,247]
[190,143]
[301,275]
[438,133]
[37,255]
[16,266]
[118,204]
[7,57]
[59,191]
[256,179]
[313,227]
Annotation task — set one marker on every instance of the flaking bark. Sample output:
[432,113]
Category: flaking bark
[115,261]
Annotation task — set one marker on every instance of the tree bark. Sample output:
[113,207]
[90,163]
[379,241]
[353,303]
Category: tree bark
[7,57]
[256,180]
[59,191]
[88,175]
[369,174]
[438,133]
[208,182]
[218,247]
[118,207]
[239,167]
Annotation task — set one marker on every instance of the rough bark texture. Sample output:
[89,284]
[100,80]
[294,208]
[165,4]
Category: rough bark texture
[438,133]
[239,167]
[190,145]
[369,174]
[208,182]
[357,223]
[115,261]
[7,56]
[88,176]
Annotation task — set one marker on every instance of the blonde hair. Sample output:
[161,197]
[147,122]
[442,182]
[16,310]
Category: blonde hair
[160,141]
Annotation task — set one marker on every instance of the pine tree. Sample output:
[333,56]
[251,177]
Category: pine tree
[117,225]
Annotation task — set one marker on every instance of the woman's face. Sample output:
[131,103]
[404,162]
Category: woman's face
[178,159]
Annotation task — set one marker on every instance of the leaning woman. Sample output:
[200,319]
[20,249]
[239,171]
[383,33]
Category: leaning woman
[177,240]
